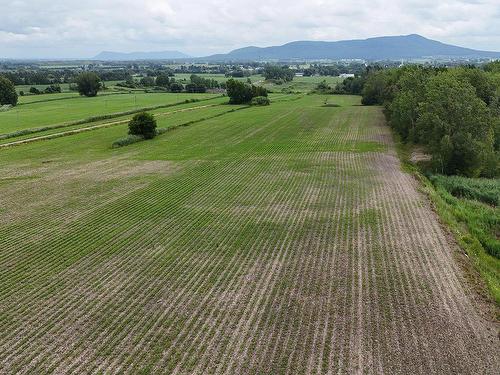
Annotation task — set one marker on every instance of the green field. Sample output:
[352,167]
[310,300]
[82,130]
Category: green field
[299,84]
[302,84]
[64,88]
[283,239]
[71,109]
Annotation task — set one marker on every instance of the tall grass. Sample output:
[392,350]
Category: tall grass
[481,189]
[474,203]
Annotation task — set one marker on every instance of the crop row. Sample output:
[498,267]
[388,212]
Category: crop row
[276,250]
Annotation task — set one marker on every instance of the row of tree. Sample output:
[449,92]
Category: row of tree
[334,70]
[243,93]
[454,112]
[196,84]
[278,73]
[52,89]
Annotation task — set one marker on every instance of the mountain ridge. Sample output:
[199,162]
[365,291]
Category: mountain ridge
[376,48]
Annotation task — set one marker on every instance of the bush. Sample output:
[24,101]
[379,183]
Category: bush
[52,89]
[143,124]
[323,88]
[195,88]
[8,94]
[260,100]
[128,140]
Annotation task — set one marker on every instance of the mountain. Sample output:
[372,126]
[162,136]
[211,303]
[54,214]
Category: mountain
[380,48]
[120,56]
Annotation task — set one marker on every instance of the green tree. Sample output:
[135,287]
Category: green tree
[278,73]
[238,92]
[351,86]
[456,125]
[403,110]
[176,87]
[259,91]
[143,124]
[377,88]
[147,81]
[162,80]
[88,83]
[482,82]
[8,94]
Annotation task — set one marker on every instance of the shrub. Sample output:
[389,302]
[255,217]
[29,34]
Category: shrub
[260,100]
[128,140]
[8,94]
[52,89]
[34,91]
[143,124]
[322,88]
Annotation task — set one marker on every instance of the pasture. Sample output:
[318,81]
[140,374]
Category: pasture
[280,240]
[44,113]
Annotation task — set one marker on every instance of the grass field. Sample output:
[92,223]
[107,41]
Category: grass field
[302,84]
[58,111]
[64,88]
[271,240]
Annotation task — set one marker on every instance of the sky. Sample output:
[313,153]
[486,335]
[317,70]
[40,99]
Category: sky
[83,28]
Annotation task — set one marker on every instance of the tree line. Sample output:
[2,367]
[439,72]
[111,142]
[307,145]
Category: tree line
[453,112]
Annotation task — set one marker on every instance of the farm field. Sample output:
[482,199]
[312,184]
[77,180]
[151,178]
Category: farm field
[270,240]
[302,84]
[58,111]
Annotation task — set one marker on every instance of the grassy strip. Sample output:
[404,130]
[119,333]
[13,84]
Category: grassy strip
[62,134]
[89,128]
[96,118]
[69,97]
[466,221]
[130,139]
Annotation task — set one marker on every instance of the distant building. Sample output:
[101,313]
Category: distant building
[299,74]
[346,75]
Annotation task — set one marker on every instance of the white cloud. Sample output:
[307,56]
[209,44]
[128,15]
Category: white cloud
[71,28]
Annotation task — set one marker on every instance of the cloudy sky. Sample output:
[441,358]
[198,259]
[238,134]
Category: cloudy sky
[76,28]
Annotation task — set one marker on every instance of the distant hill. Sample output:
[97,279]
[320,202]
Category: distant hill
[120,56]
[380,48]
